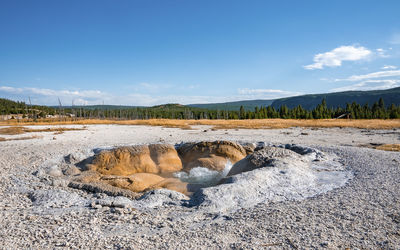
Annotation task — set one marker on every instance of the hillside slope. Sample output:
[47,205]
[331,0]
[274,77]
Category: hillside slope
[338,99]
[231,106]
[341,98]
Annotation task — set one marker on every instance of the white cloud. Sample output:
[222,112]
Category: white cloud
[260,91]
[247,93]
[335,57]
[10,89]
[51,92]
[386,79]
[379,74]
[370,85]
[385,67]
[149,100]
[381,53]
[46,96]
[50,96]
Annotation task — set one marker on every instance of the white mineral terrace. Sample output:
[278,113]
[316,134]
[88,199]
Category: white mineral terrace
[323,189]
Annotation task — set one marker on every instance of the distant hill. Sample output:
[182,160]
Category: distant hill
[169,106]
[174,106]
[232,106]
[339,99]
[102,107]
[333,100]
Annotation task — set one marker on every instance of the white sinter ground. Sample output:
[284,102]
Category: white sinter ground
[290,178]
[357,205]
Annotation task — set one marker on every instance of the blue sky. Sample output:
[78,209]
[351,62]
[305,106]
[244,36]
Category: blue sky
[151,52]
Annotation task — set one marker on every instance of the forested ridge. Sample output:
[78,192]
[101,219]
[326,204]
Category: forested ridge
[310,101]
[340,99]
[377,110]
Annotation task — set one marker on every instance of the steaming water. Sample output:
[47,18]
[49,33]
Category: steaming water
[204,176]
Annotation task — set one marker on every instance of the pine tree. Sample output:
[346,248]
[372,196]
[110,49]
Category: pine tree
[242,113]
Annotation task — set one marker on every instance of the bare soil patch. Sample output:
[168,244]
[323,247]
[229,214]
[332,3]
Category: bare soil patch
[389,147]
[19,138]
[381,146]
[229,124]
[23,130]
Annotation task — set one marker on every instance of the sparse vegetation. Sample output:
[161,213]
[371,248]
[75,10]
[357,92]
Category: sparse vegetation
[225,124]
[389,147]
[22,130]
[19,138]
[176,111]
[339,99]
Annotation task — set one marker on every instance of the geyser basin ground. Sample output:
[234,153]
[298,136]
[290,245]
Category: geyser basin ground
[217,176]
[362,214]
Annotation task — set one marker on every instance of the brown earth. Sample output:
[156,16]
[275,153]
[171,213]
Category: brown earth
[212,155]
[224,124]
[124,161]
[389,147]
[381,146]
[137,183]
[147,167]
[21,130]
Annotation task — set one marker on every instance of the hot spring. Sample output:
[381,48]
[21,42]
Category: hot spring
[204,176]
[218,174]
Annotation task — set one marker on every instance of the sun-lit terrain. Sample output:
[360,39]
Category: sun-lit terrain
[389,147]
[199,124]
[226,124]
[21,130]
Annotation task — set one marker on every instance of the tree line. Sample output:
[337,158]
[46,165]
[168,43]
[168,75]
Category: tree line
[378,110]
[9,107]
[353,110]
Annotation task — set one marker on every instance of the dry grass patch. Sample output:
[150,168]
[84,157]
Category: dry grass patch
[389,147]
[230,124]
[11,131]
[24,138]
[19,138]
[22,130]
[167,123]
[380,146]
[288,123]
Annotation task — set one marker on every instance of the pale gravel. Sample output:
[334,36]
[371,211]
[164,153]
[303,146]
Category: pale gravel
[365,213]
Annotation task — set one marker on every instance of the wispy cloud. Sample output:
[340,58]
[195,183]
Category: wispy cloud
[335,57]
[50,96]
[150,100]
[265,93]
[387,67]
[376,80]
[46,96]
[52,92]
[382,53]
[379,74]
[370,85]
